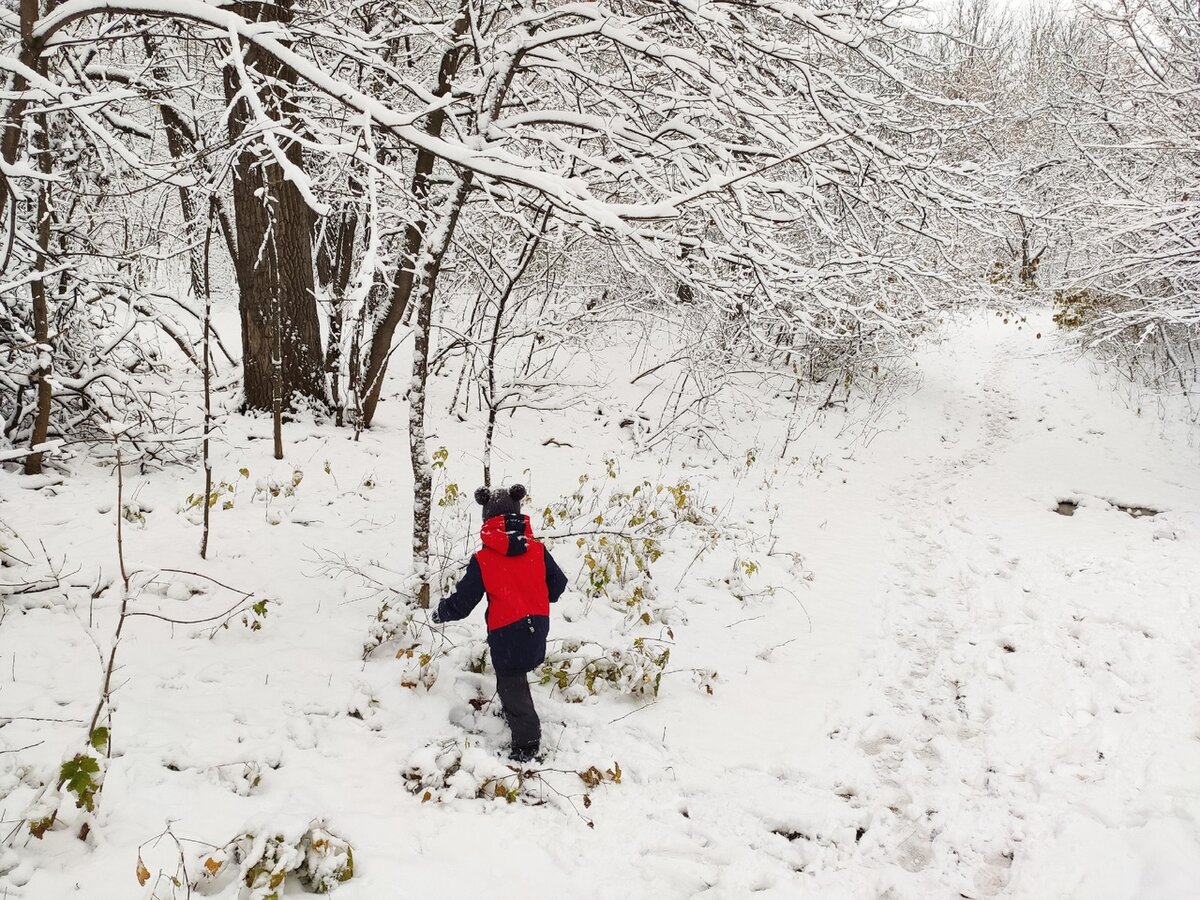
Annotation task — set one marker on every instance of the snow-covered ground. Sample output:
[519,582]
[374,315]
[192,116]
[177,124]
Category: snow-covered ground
[928,682]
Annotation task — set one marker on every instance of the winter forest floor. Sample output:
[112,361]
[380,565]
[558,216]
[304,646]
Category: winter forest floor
[929,684]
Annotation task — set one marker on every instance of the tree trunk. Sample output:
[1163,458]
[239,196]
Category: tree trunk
[417,395]
[201,280]
[268,208]
[335,264]
[414,234]
[37,288]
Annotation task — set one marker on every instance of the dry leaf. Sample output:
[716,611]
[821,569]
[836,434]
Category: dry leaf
[143,874]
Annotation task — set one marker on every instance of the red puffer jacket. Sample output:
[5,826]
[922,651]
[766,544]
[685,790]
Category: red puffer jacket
[521,580]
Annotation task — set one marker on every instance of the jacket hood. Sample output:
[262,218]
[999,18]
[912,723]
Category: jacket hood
[508,534]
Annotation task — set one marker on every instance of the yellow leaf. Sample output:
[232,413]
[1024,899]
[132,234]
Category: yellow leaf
[245,473]
[143,874]
[212,865]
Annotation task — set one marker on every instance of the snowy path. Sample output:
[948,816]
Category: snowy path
[1033,716]
[972,697]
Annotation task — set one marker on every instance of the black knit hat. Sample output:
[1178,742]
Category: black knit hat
[502,501]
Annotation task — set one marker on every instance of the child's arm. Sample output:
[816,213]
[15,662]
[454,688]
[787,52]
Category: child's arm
[556,581]
[465,597]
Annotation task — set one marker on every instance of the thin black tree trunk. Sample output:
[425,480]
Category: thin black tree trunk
[38,292]
[208,416]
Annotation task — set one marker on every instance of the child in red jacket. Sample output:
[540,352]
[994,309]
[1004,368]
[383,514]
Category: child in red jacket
[521,580]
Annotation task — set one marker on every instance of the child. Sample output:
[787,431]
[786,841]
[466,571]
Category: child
[521,580]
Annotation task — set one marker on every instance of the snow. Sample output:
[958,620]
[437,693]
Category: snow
[493,163]
[927,683]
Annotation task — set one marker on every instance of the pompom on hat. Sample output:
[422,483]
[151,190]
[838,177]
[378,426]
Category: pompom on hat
[500,502]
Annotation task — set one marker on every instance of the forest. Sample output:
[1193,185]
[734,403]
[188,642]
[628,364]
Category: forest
[795,322]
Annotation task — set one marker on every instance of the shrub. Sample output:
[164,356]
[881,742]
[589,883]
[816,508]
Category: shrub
[1078,308]
[583,668]
[450,770]
[621,533]
[319,858]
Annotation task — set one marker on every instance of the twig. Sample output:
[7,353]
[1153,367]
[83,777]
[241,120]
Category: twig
[537,773]
[27,747]
[632,711]
[803,608]
[209,578]
[229,613]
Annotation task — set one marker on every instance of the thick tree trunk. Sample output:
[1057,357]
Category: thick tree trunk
[268,208]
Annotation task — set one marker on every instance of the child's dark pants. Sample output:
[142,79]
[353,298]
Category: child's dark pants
[518,709]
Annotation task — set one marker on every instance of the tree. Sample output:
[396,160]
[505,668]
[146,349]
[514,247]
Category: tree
[282,357]
[1146,152]
[771,159]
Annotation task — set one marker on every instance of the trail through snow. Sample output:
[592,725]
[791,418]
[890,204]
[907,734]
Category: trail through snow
[1032,712]
[973,696]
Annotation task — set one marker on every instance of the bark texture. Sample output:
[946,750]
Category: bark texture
[275,285]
